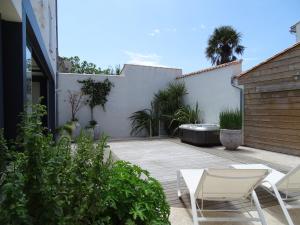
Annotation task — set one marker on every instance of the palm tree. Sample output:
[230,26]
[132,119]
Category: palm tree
[223,44]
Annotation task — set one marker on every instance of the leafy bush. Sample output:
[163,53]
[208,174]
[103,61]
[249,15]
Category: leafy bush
[47,183]
[165,103]
[4,154]
[140,200]
[186,115]
[145,119]
[231,119]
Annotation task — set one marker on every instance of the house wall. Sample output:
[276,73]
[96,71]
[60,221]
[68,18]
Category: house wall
[134,90]
[16,32]
[272,104]
[45,12]
[213,91]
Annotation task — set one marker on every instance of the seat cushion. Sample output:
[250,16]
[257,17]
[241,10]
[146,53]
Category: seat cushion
[273,177]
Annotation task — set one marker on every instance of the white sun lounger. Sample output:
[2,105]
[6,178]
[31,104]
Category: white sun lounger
[285,187]
[221,185]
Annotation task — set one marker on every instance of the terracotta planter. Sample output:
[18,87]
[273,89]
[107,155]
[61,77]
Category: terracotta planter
[231,139]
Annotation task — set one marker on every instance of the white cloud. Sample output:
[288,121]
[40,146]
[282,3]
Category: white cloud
[143,59]
[197,28]
[171,29]
[155,32]
[202,26]
[194,28]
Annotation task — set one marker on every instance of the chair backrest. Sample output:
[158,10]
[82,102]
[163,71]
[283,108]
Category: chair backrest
[229,184]
[290,182]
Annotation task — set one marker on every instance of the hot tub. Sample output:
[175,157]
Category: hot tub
[200,134]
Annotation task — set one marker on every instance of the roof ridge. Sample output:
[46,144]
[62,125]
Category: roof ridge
[269,59]
[209,69]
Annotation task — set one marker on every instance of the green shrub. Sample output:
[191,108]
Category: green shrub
[4,154]
[186,115]
[145,119]
[140,200]
[48,183]
[231,119]
[165,103]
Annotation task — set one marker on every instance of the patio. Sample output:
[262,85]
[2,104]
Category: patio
[163,157]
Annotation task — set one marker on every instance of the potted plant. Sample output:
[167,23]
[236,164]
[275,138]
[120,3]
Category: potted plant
[231,129]
[96,93]
[94,129]
[64,131]
[75,101]
[89,129]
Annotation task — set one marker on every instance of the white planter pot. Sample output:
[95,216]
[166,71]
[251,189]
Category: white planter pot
[89,132]
[76,130]
[97,132]
[231,139]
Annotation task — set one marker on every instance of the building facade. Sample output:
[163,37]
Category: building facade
[272,103]
[28,59]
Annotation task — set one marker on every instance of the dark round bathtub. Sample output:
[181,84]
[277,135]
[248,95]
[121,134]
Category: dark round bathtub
[200,134]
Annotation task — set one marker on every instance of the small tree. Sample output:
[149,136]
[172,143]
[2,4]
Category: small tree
[96,93]
[75,101]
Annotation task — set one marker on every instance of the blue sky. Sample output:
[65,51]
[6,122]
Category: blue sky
[171,33]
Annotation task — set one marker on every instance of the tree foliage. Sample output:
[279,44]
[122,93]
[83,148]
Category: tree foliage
[96,92]
[223,45]
[84,67]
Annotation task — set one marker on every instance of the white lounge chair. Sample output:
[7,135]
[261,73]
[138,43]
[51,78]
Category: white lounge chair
[221,185]
[285,187]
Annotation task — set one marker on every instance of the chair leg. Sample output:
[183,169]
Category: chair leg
[194,209]
[178,184]
[282,205]
[258,208]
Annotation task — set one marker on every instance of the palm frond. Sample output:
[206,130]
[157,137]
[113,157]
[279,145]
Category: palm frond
[186,115]
[223,44]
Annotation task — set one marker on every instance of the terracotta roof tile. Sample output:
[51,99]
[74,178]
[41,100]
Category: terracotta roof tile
[209,69]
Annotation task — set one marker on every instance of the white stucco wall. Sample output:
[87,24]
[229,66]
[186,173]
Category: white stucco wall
[213,91]
[133,90]
[11,10]
[45,12]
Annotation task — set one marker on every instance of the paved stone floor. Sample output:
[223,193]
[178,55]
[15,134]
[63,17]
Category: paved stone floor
[163,157]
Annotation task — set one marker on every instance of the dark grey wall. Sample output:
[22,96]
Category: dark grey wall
[1,80]
[13,74]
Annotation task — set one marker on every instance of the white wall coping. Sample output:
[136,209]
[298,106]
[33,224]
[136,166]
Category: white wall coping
[159,67]
[92,74]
